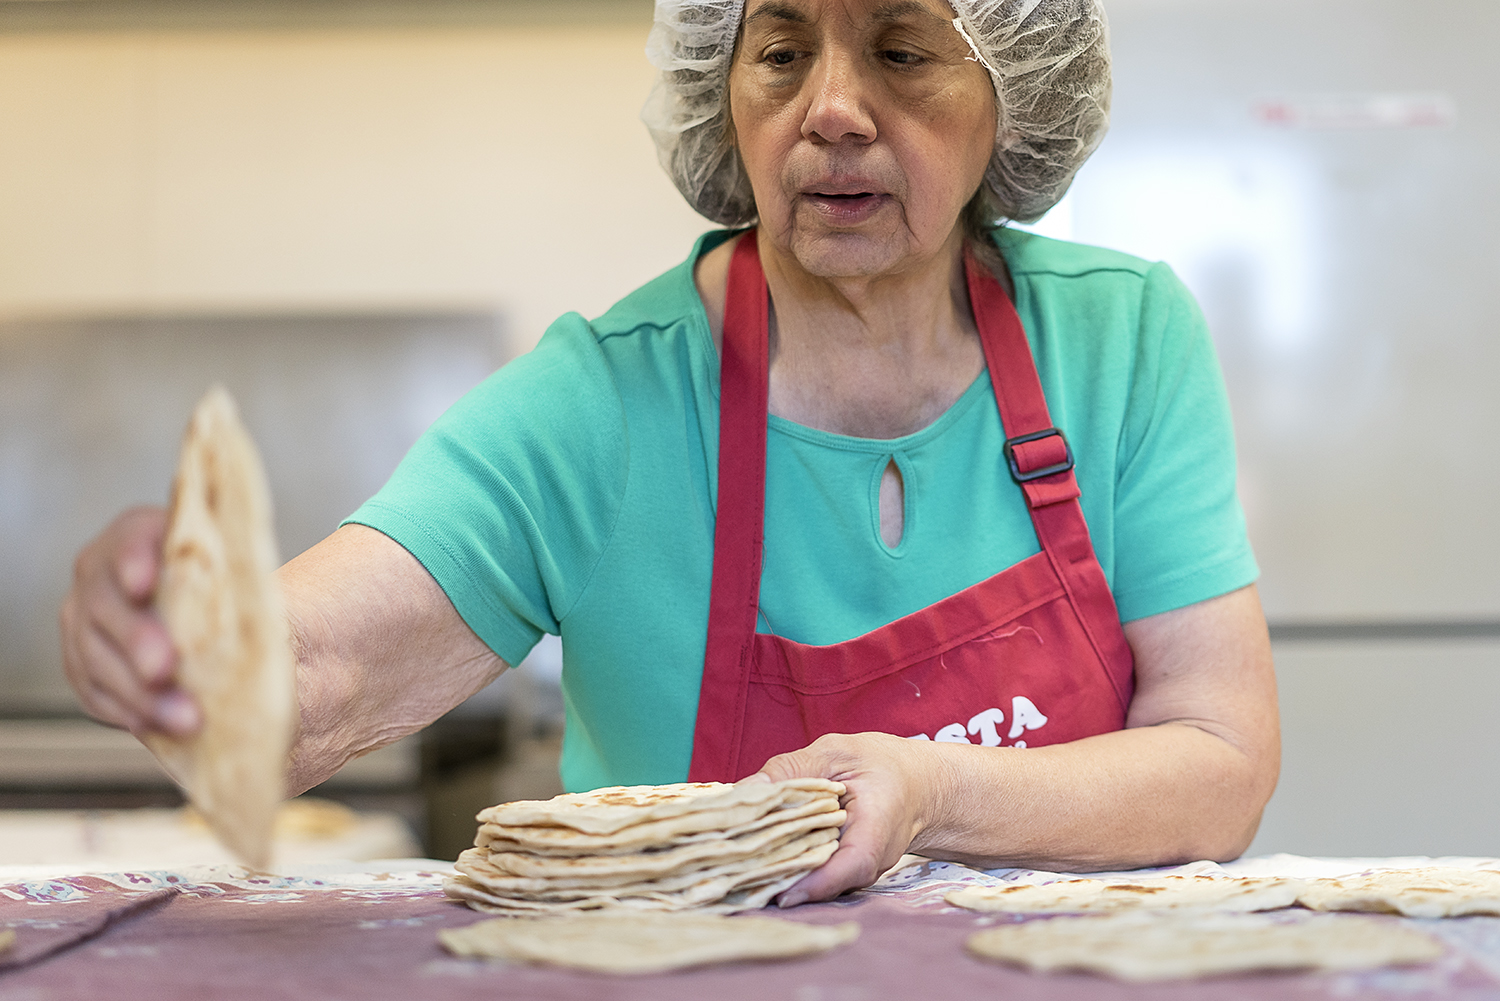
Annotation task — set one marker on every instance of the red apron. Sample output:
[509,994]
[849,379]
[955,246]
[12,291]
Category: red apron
[1034,655]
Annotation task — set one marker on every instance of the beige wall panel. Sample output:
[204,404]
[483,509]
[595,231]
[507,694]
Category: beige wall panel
[501,167]
[73,128]
[1388,748]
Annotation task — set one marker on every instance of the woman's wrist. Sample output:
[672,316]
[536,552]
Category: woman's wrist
[966,789]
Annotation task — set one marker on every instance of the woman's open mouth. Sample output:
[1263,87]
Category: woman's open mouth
[845,207]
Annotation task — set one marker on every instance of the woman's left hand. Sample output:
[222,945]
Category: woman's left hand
[890,786]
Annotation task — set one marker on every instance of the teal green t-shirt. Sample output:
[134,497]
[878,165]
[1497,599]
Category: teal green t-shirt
[573,493]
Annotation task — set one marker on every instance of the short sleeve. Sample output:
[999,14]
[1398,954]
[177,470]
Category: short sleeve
[1180,534]
[509,499]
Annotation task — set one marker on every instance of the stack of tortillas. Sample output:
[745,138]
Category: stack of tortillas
[705,846]
[1186,926]
[219,599]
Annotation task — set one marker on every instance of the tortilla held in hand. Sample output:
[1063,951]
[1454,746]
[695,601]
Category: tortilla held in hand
[220,601]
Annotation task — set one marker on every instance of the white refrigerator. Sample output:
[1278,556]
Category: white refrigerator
[1325,176]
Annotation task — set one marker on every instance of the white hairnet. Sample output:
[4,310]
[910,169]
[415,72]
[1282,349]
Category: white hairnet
[1048,60]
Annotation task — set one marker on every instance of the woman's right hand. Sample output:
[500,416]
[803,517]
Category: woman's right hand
[117,653]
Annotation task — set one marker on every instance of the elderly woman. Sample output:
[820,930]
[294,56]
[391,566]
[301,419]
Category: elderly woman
[875,489]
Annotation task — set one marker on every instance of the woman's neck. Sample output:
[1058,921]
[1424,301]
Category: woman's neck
[868,357]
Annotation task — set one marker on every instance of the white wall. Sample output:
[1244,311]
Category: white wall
[331,169]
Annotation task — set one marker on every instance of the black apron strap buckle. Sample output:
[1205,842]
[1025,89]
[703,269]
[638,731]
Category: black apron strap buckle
[1048,459]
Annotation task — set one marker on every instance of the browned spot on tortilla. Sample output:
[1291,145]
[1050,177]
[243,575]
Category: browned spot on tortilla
[187,550]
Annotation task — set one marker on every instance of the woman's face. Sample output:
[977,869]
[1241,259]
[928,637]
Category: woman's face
[863,127]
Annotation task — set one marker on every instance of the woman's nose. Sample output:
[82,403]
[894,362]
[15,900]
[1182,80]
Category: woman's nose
[838,109]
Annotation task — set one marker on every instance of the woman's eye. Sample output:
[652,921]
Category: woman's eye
[901,58]
[781,58]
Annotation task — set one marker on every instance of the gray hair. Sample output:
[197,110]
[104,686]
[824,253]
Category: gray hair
[1048,61]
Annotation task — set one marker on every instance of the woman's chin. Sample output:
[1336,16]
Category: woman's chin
[850,254]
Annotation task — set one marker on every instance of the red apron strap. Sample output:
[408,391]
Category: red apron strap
[739,525]
[1042,463]
[1037,452]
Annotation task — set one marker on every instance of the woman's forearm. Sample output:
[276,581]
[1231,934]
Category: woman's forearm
[380,650]
[1186,780]
[1154,795]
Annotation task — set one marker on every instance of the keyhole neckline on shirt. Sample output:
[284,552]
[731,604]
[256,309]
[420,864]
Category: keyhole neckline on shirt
[899,493]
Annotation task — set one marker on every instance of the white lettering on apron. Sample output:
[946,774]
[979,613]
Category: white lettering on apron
[1024,715]
[986,724]
[953,733]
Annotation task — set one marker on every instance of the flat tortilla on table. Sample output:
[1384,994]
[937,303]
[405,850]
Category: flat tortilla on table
[222,606]
[643,943]
[1428,892]
[1141,946]
[1093,896]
